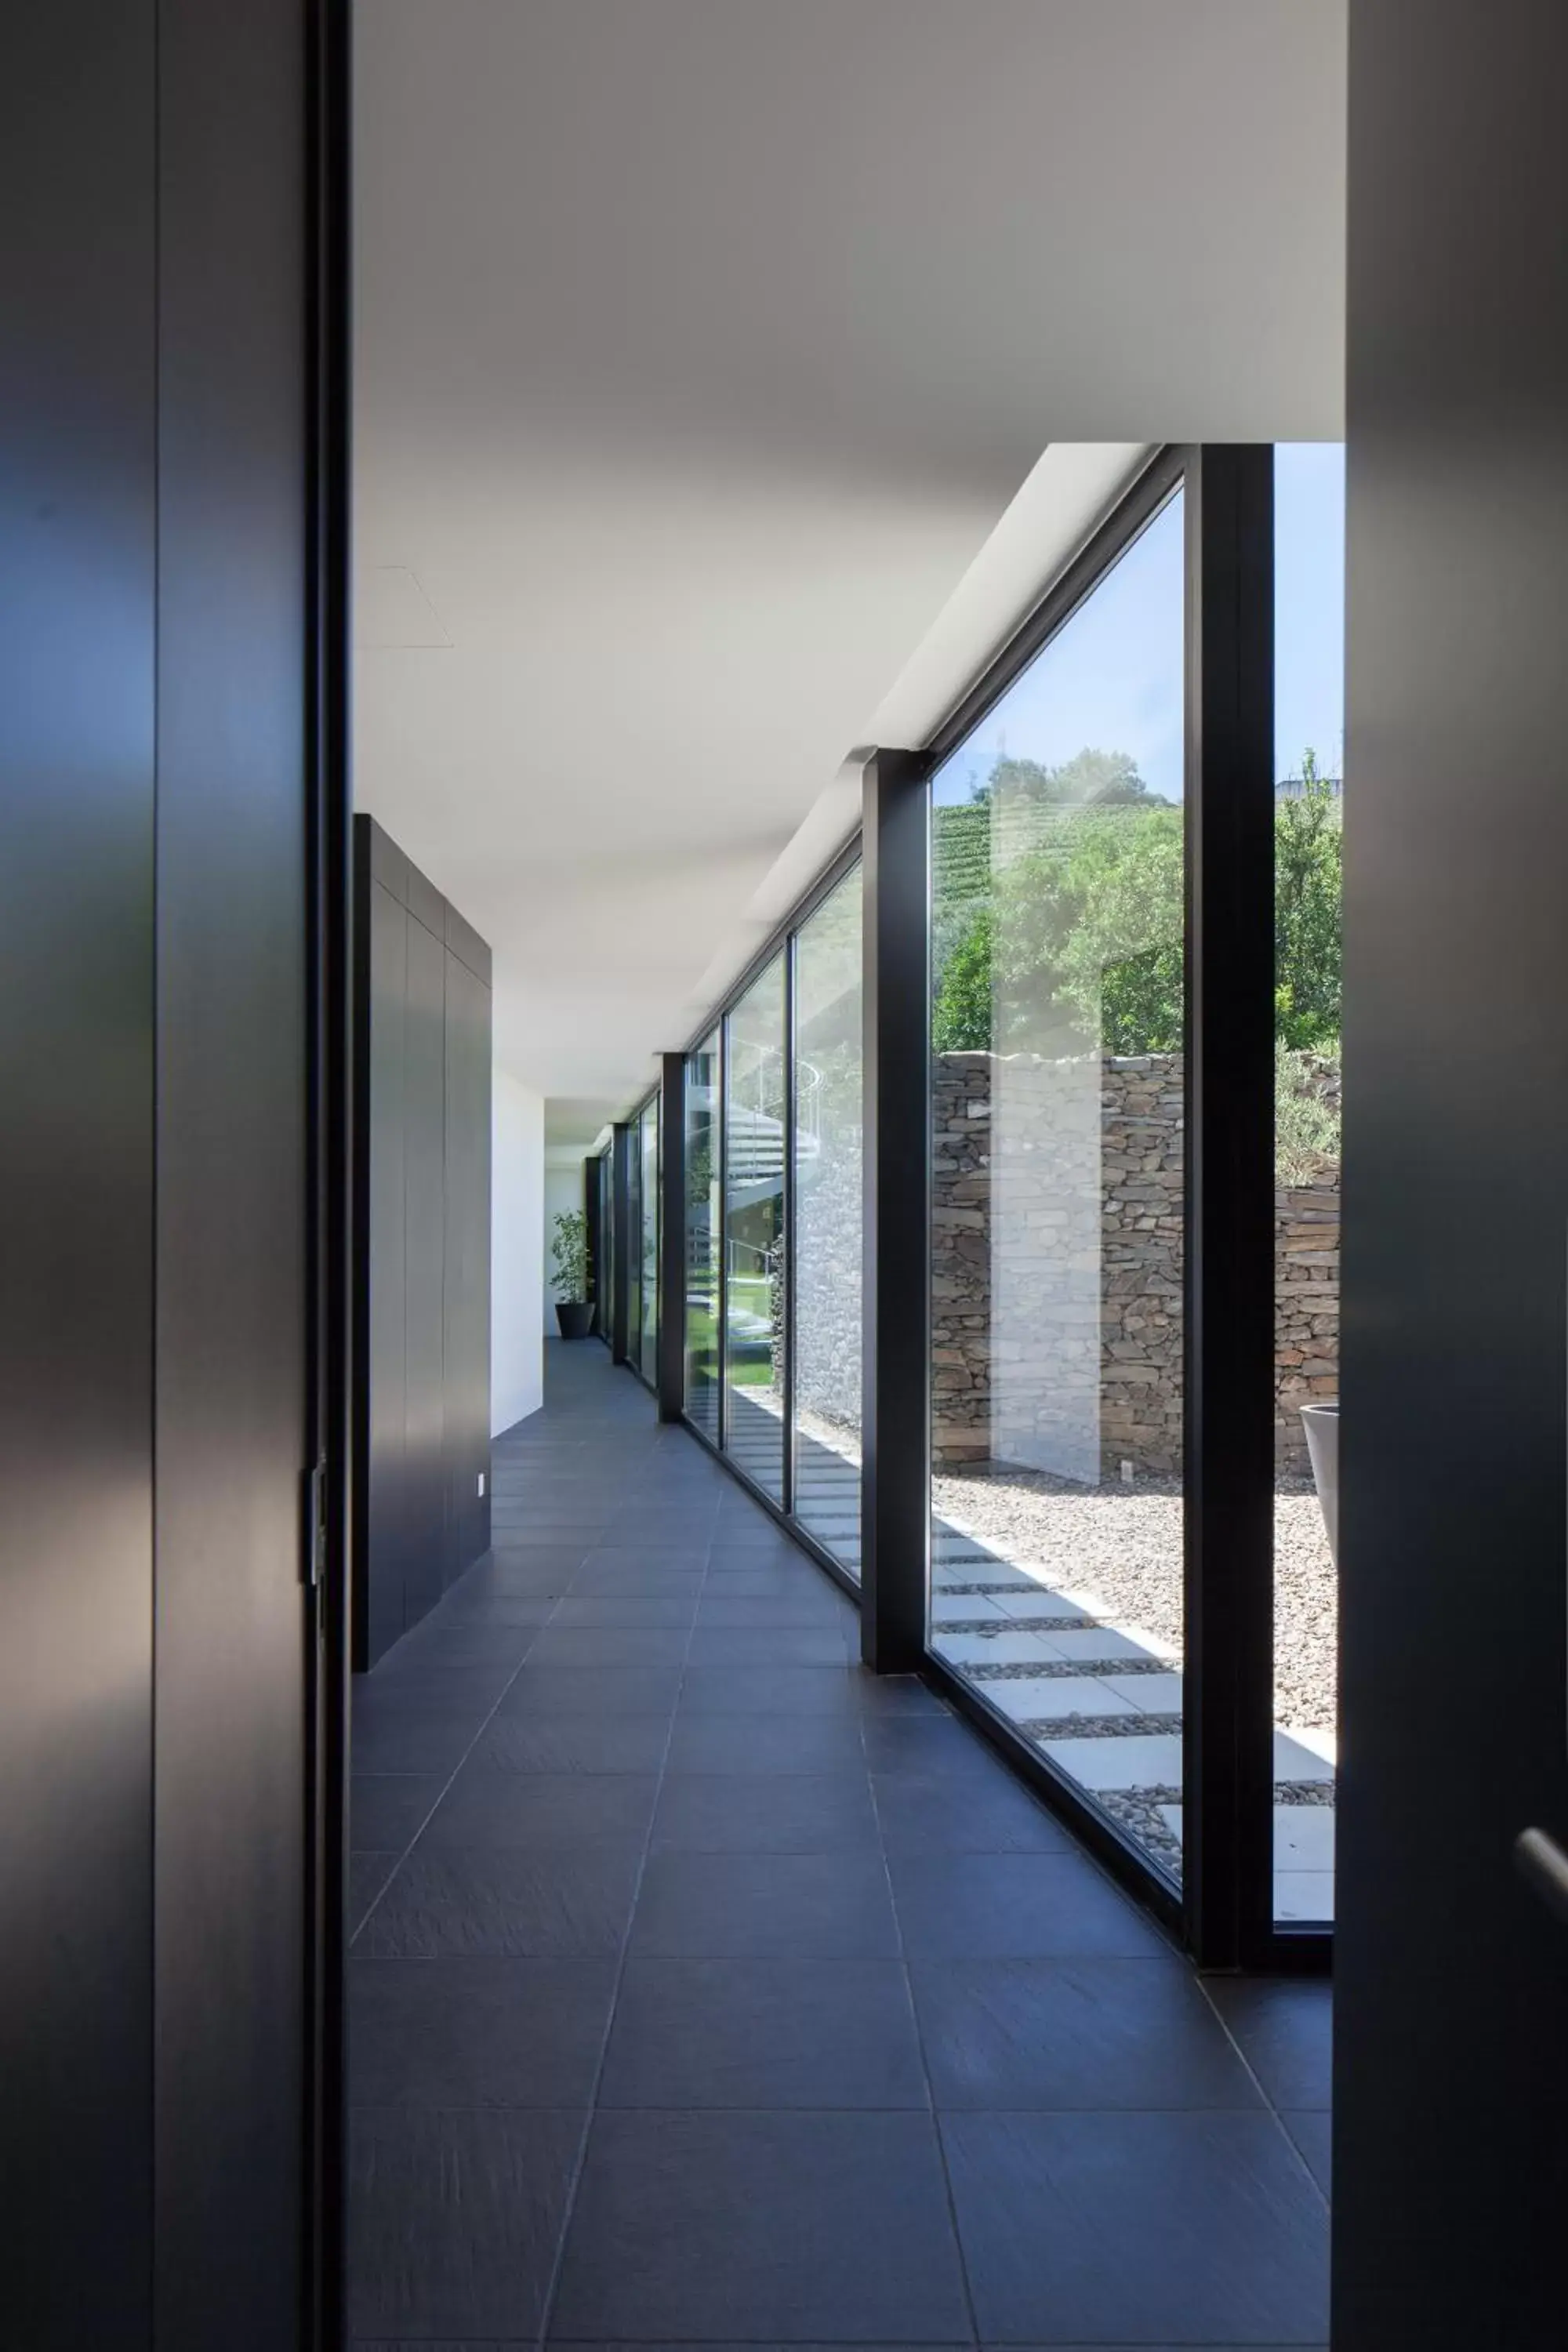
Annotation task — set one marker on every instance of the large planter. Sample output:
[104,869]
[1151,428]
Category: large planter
[1322,1423]
[575,1317]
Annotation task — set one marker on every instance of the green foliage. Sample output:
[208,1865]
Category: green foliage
[570,1251]
[1307,882]
[1305,1128]
[1076,942]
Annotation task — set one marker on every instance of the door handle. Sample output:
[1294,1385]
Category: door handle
[1544,1862]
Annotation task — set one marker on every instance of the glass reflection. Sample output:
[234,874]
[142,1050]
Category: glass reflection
[754,1132]
[827,1236]
[1058,1219]
[702,1231]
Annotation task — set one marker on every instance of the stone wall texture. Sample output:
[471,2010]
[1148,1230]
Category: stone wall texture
[1057,1270]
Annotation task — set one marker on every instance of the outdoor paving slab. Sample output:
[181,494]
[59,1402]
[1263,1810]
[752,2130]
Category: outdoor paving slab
[1044,1698]
[958,1608]
[1304,1838]
[1305,1896]
[1143,1761]
[1126,2229]
[476,2031]
[1149,1693]
[768,2033]
[456,2218]
[692,2227]
[1035,1603]
[1005,1647]
[1095,1645]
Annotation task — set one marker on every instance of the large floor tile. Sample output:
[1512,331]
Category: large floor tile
[756,1613]
[770,1906]
[1311,2128]
[501,1901]
[768,1645]
[1285,2034]
[385,1809]
[593,1690]
[1058,2033]
[455,2219]
[764,2034]
[487,1808]
[769,1743]
[1137,2229]
[766,1812]
[477,2033]
[956,1906]
[369,1872]
[423,1735]
[565,1743]
[753,1691]
[635,1608]
[761,2228]
[610,1645]
[932,1812]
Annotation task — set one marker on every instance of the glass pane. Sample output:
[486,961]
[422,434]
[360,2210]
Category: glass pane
[1309,710]
[1057,1265]
[648,1344]
[827,1121]
[634,1248]
[753,1232]
[702,1228]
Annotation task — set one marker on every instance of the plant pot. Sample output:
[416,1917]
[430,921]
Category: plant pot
[1322,1423]
[575,1317]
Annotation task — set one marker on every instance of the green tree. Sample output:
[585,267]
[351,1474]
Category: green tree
[1308,882]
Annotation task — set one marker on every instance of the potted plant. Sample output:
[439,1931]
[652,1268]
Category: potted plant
[570,1251]
[1322,1423]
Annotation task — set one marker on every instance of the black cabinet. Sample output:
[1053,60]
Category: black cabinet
[423,1243]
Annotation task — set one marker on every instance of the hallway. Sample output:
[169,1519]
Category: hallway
[705,1989]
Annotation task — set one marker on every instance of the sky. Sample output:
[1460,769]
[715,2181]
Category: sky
[1113,678]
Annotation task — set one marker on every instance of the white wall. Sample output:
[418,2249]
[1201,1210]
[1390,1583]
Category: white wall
[517,1222]
[562,1193]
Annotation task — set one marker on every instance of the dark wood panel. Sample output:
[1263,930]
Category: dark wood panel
[383,1523]
[467,1265]
[424,1259]
[1450,2152]
[423,1117]
[232,1654]
[77,588]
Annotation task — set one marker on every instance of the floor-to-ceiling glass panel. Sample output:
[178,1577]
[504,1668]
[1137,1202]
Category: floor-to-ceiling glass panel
[1057,1187]
[634,1244]
[754,1133]
[703,1225]
[648,1343]
[827,1244]
[605,1200]
[1309,712]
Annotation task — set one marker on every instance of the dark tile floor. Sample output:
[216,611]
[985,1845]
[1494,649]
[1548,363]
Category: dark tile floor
[706,1991]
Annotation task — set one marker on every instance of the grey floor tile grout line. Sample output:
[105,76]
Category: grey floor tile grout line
[947,2187]
[574,2180]
[1256,2080]
[534,1632]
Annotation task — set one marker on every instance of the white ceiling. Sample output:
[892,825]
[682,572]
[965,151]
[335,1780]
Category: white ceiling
[701,348]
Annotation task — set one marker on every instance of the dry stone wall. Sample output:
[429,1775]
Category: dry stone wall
[1057,1265]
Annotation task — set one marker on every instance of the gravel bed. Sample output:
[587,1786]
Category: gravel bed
[1102,1727]
[1065,1670]
[1304,1792]
[1124,1546]
[1137,1810]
